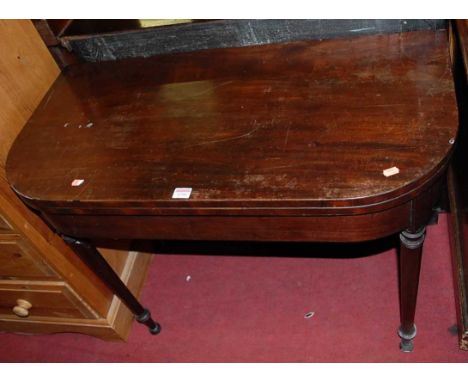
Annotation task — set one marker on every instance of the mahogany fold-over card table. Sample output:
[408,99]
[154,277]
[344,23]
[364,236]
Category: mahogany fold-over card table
[338,140]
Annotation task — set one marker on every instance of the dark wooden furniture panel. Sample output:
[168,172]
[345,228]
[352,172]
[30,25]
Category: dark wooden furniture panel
[264,130]
[457,182]
[282,142]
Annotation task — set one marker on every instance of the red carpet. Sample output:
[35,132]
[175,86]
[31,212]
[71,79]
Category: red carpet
[251,309]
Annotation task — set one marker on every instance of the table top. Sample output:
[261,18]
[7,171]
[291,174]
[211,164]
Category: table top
[303,124]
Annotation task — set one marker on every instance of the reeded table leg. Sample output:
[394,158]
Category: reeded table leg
[91,256]
[411,244]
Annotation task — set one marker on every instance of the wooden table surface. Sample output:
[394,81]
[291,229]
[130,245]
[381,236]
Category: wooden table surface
[282,142]
[301,124]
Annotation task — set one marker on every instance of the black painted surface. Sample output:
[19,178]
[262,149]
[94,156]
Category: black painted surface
[229,33]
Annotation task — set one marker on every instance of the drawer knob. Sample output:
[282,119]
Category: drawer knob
[22,308]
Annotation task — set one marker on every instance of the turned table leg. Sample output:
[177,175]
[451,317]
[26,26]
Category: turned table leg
[411,244]
[94,260]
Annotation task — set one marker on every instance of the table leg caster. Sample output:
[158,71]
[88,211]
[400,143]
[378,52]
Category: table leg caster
[156,329]
[145,318]
[406,344]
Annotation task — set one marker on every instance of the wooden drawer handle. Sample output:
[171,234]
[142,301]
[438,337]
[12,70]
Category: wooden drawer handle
[22,308]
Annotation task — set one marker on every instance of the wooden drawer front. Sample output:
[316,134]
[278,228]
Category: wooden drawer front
[47,299]
[19,260]
[5,226]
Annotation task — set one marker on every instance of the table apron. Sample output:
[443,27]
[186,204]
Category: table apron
[249,228]
[410,215]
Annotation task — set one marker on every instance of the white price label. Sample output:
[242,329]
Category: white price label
[181,193]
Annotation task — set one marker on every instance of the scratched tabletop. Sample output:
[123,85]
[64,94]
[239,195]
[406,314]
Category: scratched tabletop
[311,123]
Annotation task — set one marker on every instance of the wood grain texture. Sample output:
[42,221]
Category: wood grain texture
[20,94]
[48,298]
[133,275]
[5,227]
[53,250]
[29,250]
[116,318]
[285,142]
[115,326]
[19,260]
[285,123]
